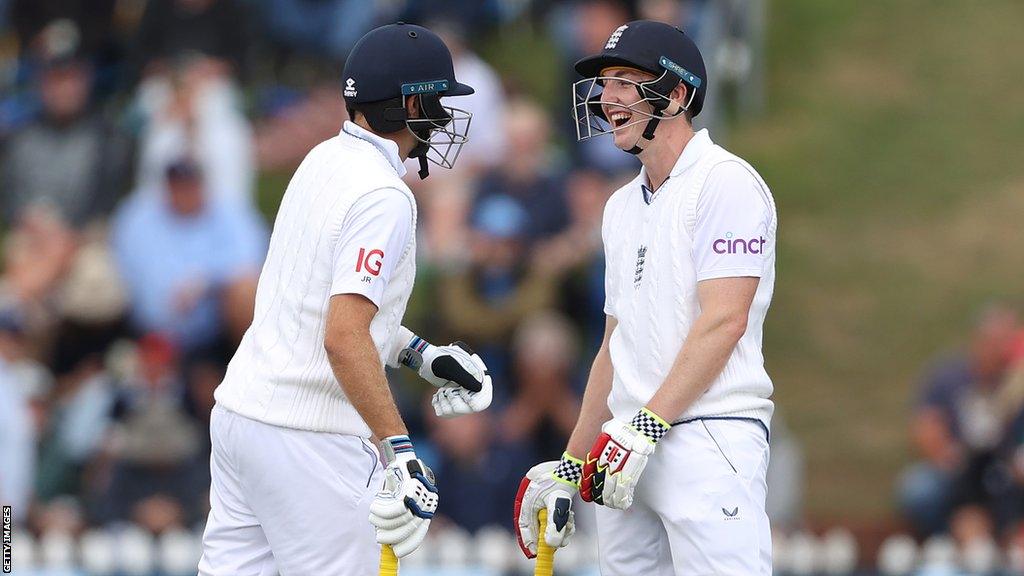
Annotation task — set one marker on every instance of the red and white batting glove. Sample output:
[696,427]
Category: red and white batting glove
[618,458]
[548,485]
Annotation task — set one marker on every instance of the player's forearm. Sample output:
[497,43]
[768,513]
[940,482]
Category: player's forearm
[701,359]
[356,364]
[594,411]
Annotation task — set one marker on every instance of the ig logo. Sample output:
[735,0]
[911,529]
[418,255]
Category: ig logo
[371,260]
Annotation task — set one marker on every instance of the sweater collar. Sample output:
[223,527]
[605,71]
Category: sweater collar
[386,147]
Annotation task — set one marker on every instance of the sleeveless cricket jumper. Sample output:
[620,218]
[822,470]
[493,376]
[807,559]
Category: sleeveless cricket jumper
[293,473]
[699,506]
[280,374]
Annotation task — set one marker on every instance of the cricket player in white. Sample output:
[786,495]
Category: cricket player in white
[672,438]
[295,478]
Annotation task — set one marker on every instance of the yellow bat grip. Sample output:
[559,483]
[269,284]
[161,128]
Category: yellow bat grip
[388,561]
[545,554]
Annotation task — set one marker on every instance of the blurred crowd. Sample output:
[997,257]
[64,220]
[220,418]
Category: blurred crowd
[144,146]
[967,428]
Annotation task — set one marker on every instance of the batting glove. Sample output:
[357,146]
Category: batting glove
[547,485]
[464,385]
[402,510]
[618,458]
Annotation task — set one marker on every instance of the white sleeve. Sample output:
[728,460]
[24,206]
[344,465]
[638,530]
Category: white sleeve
[373,237]
[609,280]
[733,220]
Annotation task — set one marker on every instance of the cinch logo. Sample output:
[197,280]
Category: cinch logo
[729,245]
[350,88]
[371,260]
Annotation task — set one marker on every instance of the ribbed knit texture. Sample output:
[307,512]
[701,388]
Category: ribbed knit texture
[280,374]
[652,291]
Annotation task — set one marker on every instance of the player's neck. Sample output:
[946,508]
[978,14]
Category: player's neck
[663,152]
[403,138]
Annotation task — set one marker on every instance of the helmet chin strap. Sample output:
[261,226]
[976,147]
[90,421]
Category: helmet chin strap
[670,108]
[420,152]
[663,107]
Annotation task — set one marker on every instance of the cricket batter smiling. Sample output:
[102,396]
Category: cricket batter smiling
[294,476]
[672,438]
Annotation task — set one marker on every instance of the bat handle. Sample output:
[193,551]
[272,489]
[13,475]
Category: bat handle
[545,565]
[388,561]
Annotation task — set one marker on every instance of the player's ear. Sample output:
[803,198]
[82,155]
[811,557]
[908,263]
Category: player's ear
[412,106]
[681,93]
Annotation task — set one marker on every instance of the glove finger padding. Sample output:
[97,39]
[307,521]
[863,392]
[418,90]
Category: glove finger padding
[388,512]
[449,402]
[398,531]
[454,399]
[402,510]
[442,404]
[410,544]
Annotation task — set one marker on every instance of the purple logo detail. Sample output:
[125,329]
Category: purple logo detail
[730,245]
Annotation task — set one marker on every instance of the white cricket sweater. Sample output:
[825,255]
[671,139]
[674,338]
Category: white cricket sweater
[346,225]
[713,218]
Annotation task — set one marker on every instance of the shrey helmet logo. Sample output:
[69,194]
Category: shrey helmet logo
[613,40]
[350,88]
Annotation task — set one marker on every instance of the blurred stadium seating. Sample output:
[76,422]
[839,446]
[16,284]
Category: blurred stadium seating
[106,385]
[130,551]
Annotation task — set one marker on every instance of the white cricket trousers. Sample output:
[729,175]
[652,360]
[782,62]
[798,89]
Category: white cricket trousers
[699,509]
[289,502]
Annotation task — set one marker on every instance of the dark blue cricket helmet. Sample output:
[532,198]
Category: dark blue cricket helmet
[653,47]
[396,61]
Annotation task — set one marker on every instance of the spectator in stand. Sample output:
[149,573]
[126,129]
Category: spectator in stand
[217,29]
[486,104]
[543,411]
[99,29]
[93,19]
[74,422]
[526,174]
[477,472]
[477,17]
[189,261]
[446,196]
[485,301]
[31,376]
[579,253]
[957,426]
[327,28]
[193,109]
[38,252]
[154,461]
[70,159]
[17,443]
[578,29]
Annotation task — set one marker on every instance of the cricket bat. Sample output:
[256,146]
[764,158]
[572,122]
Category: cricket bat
[388,561]
[545,565]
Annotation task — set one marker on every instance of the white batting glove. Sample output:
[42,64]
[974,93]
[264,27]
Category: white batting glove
[402,510]
[618,458]
[464,385]
[549,485]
